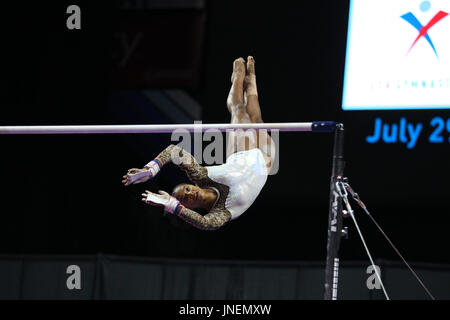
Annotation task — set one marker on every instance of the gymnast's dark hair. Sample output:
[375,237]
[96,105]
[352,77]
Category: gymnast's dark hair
[175,189]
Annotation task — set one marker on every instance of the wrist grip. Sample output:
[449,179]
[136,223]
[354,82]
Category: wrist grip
[172,205]
[136,176]
[154,167]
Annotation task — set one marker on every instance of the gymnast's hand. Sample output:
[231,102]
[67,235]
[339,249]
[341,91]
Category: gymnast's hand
[156,199]
[135,176]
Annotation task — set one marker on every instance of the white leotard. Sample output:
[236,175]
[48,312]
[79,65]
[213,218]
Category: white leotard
[245,173]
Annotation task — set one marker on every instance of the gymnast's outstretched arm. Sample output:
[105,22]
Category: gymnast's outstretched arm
[175,154]
[186,161]
[213,220]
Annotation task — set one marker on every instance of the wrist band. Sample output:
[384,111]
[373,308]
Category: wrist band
[154,167]
[171,205]
[179,210]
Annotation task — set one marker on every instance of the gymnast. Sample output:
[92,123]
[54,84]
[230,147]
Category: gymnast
[224,191]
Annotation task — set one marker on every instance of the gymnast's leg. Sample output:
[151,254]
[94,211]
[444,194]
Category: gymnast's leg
[264,141]
[238,140]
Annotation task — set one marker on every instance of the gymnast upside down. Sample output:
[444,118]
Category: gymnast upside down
[224,191]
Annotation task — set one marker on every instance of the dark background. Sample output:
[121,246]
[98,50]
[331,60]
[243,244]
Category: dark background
[62,194]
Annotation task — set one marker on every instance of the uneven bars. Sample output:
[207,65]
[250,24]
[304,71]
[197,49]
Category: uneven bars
[316,126]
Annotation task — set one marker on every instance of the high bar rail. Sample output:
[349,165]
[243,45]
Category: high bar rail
[316,126]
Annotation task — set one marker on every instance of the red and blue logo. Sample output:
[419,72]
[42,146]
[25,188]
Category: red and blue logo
[423,29]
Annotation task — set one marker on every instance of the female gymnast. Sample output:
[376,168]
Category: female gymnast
[224,191]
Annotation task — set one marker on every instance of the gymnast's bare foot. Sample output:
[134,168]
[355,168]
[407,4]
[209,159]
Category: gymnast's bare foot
[238,70]
[250,78]
[236,96]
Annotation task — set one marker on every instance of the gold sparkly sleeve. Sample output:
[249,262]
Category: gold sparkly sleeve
[185,161]
[215,219]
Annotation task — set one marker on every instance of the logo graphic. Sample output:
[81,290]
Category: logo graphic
[423,30]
